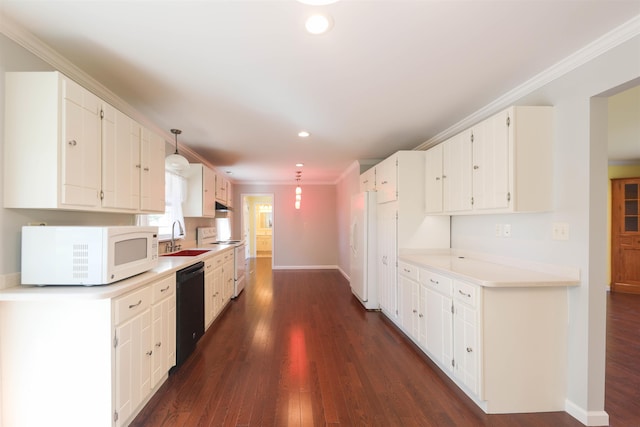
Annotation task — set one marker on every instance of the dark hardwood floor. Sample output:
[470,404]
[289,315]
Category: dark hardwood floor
[297,349]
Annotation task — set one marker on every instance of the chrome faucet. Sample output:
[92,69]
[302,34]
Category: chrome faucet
[173,247]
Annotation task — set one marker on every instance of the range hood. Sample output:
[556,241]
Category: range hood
[222,208]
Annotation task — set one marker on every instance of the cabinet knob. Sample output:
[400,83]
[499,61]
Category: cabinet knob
[464,294]
[138,166]
[146,169]
[73,143]
[476,167]
[159,344]
[420,315]
[415,311]
[149,353]
[384,182]
[469,350]
[437,178]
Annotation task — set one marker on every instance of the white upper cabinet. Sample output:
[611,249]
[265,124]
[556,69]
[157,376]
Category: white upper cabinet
[500,165]
[433,180]
[52,143]
[221,189]
[121,160]
[152,194]
[65,148]
[387,179]
[201,194]
[368,180]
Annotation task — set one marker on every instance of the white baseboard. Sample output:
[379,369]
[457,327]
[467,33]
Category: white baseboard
[345,275]
[588,418]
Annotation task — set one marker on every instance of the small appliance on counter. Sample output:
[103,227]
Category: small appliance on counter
[86,255]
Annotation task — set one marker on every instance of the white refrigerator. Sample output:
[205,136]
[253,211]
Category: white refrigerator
[362,241]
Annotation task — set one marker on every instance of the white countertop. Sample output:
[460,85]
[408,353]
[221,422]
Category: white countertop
[166,265]
[489,273]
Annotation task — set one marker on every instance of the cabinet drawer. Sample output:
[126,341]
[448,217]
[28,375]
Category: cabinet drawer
[465,292]
[163,288]
[132,304]
[408,270]
[437,282]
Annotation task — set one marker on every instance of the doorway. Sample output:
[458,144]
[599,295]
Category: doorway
[258,225]
[623,133]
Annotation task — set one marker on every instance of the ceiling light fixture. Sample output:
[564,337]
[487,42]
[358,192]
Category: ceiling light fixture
[299,165]
[175,161]
[318,23]
[304,134]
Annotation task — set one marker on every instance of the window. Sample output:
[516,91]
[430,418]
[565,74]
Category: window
[175,194]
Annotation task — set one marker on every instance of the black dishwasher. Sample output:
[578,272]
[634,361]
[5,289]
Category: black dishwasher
[189,310]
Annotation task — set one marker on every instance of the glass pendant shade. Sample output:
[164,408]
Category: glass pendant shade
[297,204]
[175,161]
[298,190]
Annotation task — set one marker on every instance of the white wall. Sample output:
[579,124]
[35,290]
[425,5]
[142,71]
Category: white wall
[302,238]
[348,185]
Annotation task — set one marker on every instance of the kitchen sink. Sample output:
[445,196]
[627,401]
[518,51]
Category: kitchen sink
[188,252]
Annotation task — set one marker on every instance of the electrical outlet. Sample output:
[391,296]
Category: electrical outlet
[506,230]
[560,231]
[498,230]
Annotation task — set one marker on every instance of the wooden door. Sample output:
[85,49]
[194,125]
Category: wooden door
[625,235]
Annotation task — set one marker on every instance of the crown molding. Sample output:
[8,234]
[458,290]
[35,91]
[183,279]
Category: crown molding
[610,40]
[37,47]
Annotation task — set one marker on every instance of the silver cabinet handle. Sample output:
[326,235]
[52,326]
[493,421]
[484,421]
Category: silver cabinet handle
[476,167]
[149,353]
[384,182]
[159,344]
[165,289]
[463,294]
[407,270]
[415,311]
[73,143]
[138,166]
[420,315]
[469,350]
[135,305]
[146,169]
[437,178]
[435,282]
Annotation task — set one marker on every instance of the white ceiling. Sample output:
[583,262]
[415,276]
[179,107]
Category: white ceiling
[241,78]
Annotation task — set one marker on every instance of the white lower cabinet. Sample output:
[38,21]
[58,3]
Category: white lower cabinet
[144,341]
[505,347]
[466,351]
[218,284]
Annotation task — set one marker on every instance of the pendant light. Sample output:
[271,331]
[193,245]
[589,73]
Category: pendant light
[175,161]
[298,190]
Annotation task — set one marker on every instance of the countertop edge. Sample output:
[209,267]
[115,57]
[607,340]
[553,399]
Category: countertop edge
[166,265]
[531,278]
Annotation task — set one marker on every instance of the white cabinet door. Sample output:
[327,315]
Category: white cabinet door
[152,191]
[228,277]
[439,327]
[133,364]
[368,180]
[201,196]
[457,173]
[80,146]
[209,293]
[387,258]
[408,306]
[120,160]
[387,179]
[433,180]
[221,189]
[163,338]
[491,163]
[466,350]
[218,286]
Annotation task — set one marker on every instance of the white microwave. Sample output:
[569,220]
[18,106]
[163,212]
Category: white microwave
[77,255]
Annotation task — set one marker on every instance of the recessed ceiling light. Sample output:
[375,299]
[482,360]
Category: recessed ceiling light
[318,2]
[318,24]
[299,165]
[303,134]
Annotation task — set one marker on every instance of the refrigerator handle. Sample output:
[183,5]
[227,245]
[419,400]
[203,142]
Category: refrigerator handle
[352,237]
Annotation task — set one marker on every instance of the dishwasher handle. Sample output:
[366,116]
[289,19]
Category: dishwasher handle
[188,272]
